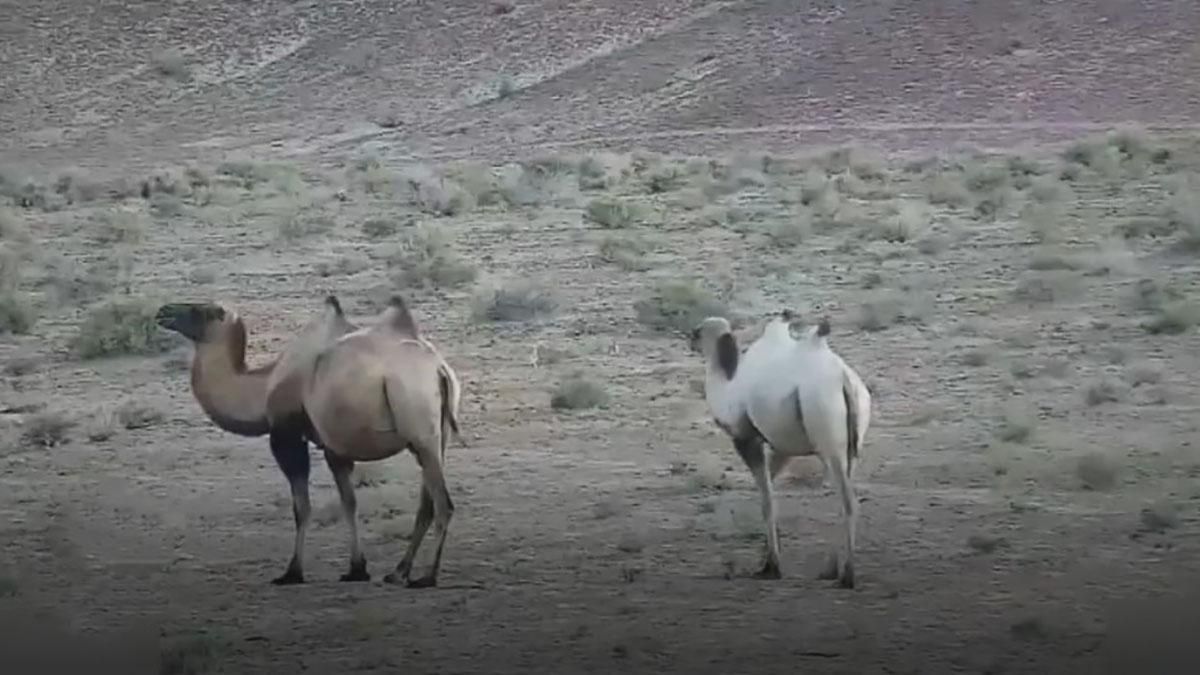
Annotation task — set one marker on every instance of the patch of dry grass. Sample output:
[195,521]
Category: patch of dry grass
[888,308]
[1096,471]
[426,258]
[119,225]
[611,213]
[46,429]
[578,392]
[627,252]
[514,301]
[171,64]
[118,326]
[678,305]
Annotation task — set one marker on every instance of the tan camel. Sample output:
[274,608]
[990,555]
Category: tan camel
[328,368]
[372,394]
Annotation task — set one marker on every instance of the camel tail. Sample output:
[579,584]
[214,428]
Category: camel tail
[852,439]
[448,387]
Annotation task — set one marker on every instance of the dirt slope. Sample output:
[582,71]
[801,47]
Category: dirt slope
[315,76]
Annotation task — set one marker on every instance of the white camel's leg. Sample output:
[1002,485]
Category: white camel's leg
[420,526]
[290,449]
[751,451]
[443,508]
[845,488]
[342,470]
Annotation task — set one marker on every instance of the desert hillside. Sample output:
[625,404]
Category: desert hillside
[994,203]
[140,82]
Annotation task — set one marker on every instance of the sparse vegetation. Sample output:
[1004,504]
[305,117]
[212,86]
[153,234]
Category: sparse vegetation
[46,429]
[1017,425]
[426,258]
[119,326]
[679,305]
[1096,471]
[519,300]
[171,64]
[577,392]
[1103,391]
[194,654]
[378,228]
[623,253]
[626,252]
[17,314]
[610,213]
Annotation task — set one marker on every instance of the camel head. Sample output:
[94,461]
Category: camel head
[705,335]
[197,321]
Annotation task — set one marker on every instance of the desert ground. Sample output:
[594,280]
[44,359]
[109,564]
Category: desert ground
[997,205]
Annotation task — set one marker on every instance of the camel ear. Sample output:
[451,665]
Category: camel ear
[727,354]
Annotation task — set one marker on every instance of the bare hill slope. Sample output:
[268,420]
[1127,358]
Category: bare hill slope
[90,84]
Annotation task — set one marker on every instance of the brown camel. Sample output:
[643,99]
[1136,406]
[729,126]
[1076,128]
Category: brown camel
[322,372]
[372,394]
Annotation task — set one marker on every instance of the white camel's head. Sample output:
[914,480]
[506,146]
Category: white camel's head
[706,334]
[199,322]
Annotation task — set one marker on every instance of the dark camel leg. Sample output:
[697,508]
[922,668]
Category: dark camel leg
[341,469]
[291,454]
[751,451]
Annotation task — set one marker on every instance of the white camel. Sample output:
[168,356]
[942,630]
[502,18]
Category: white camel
[798,397]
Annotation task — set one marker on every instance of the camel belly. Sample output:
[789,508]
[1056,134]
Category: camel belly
[777,417]
[354,423]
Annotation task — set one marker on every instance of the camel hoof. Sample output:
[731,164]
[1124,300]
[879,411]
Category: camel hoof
[770,570]
[395,578]
[846,578]
[356,574]
[289,578]
[424,582]
[830,571]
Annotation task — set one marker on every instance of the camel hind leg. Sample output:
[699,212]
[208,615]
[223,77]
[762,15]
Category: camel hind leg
[420,526]
[342,470]
[434,483]
[845,487]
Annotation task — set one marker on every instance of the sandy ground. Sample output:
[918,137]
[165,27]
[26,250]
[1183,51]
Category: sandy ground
[617,537]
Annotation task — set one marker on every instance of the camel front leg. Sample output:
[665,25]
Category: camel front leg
[751,451]
[342,470]
[290,450]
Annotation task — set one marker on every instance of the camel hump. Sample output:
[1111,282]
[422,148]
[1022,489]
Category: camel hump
[398,318]
[331,301]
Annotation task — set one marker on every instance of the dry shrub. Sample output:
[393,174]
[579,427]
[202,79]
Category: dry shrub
[118,326]
[1096,471]
[46,430]
[577,392]
[427,258]
[678,305]
[627,252]
[518,300]
[611,212]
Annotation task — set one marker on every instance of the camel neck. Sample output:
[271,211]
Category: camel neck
[232,396]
